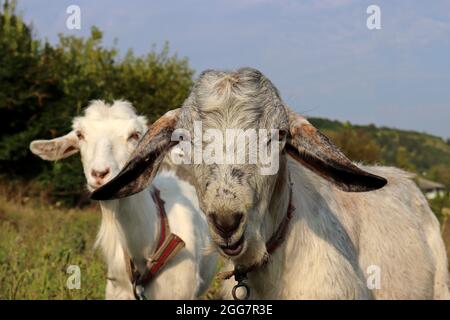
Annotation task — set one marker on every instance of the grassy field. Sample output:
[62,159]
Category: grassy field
[39,242]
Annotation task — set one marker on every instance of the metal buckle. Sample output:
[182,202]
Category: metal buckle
[139,292]
[241,284]
[240,275]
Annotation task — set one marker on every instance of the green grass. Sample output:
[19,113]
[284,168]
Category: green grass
[38,243]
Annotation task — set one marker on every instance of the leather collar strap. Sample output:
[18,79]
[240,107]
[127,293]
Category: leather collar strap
[280,234]
[169,245]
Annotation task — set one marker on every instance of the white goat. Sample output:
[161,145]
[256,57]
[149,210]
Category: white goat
[350,226]
[106,136]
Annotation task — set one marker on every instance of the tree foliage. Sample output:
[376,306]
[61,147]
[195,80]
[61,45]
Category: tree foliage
[417,152]
[356,144]
[43,86]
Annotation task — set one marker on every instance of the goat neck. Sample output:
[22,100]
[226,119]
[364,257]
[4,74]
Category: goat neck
[279,202]
[136,221]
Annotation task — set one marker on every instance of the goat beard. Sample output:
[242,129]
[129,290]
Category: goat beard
[254,255]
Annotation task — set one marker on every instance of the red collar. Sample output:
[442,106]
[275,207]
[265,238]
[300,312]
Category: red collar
[169,245]
[280,234]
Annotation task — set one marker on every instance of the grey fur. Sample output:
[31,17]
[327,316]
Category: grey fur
[335,236]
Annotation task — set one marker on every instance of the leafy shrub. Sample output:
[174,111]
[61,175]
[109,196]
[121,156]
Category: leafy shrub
[43,86]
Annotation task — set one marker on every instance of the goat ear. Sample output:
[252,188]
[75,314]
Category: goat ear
[143,165]
[315,151]
[55,149]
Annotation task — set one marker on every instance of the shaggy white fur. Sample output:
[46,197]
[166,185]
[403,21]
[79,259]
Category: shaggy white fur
[339,244]
[338,240]
[105,136]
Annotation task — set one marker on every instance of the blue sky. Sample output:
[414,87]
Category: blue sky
[320,54]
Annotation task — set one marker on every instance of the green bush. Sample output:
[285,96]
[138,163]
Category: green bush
[43,86]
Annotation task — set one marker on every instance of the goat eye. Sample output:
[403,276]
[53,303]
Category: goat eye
[80,136]
[281,135]
[134,136]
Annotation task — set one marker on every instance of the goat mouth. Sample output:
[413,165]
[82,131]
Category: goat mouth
[234,249]
[92,187]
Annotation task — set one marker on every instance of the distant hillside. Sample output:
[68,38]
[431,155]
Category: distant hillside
[422,153]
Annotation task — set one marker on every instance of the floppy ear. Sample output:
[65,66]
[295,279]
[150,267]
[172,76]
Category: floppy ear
[143,165]
[316,152]
[55,149]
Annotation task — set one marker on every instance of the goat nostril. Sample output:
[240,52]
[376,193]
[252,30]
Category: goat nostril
[104,173]
[100,174]
[212,217]
[237,217]
[228,225]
